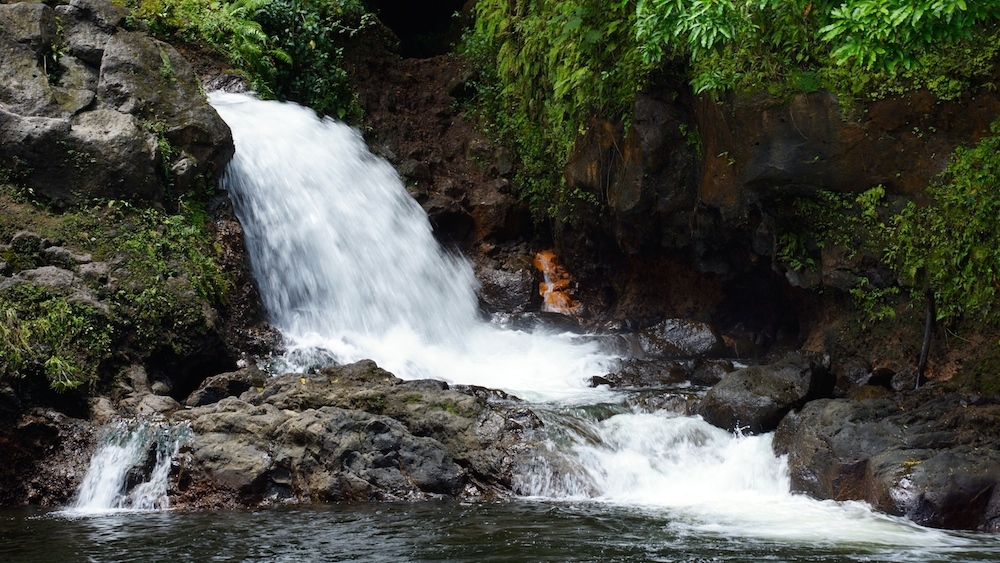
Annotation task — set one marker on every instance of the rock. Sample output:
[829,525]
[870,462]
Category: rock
[160,387]
[504,291]
[24,87]
[640,373]
[45,456]
[89,25]
[94,126]
[29,23]
[352,433]
[114,155]
[754,399]
[102,411]
[415,170]
[710,372]
[137,378]
[929,458]
[680,338]
[150,405]
[231,384]
[63,257]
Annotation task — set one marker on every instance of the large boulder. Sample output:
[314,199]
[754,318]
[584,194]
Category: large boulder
[755,399]
[351,433]
[933,459]
[110,113]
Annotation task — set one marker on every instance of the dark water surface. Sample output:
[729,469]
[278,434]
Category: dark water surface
[509,531]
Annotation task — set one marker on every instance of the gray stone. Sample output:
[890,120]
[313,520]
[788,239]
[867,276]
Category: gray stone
[929,458]
[353,433]
[754,399]
[30,23]
[680,338]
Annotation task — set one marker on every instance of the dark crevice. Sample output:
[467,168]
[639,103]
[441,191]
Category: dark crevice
[425,29]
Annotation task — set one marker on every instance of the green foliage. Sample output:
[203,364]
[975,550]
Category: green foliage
[313,33]
[853,46]
[47,333]
[546,67]
[169,271]
[888,34]
[290,49]
[954,244]
[164,277]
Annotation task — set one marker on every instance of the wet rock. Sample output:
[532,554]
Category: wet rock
[641,373]
[680,338]
[754,399]
[45,456]
[415,170]
[710,372]
[353,433]
[507,291]
[933,459]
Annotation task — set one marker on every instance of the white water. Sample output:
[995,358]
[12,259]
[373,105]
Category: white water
[124,450]
[349,269]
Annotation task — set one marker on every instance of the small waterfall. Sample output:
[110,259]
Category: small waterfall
[130,468]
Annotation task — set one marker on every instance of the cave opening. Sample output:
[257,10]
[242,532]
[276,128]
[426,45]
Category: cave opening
[425,29]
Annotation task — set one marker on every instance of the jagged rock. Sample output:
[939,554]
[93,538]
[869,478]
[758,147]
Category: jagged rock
[45,457]
[89,25]
[113,157]
[754,399]
[63,257]
[933,459]
[354,433]
[30,23]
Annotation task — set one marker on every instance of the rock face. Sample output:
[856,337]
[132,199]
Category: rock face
[755,399]
[933,459]
[351,433]
[88,109]
[45,456]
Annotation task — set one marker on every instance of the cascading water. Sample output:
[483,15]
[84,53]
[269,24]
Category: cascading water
[349,269]
[130,468]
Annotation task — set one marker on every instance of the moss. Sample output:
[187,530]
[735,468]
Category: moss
[164,282]
[982,374]
[43,332]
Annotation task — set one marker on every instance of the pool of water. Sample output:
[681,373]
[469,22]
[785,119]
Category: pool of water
[520,530]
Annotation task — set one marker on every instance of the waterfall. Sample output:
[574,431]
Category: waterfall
[130,468]
[348,269]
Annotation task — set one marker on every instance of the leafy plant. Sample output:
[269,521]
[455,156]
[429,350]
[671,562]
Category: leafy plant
[46,332]
[313,33]
[546,67]
[954,245]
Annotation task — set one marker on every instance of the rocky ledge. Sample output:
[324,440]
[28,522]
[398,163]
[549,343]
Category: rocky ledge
[929,456]
[348,433]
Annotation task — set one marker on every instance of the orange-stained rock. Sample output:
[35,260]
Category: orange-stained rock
[557,288]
